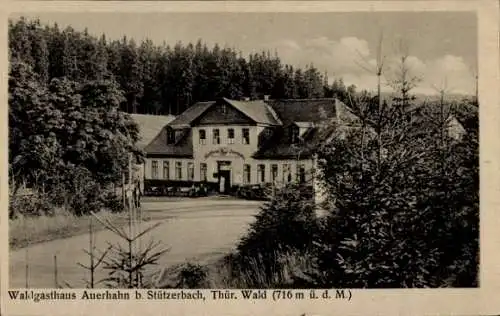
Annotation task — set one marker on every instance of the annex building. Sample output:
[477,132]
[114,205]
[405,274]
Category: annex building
[227,143]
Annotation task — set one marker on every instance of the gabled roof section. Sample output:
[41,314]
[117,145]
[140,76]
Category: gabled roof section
[344,114]
[150,126]
[159,146]
[258,110]
[319,118]
[423,112]
[303,110]
[304,124]
[185,119]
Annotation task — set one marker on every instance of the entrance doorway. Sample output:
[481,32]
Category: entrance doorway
[224,174]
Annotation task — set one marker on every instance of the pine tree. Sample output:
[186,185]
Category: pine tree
[56,52]
[130,75]
[149,58]
[313,82]
[40,51]
[19,41]
[70,56]
[300,84]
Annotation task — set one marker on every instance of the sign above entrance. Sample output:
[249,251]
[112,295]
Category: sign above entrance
[224,152]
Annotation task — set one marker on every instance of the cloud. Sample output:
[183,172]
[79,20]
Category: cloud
[451,73]
[352,59]
[334,56]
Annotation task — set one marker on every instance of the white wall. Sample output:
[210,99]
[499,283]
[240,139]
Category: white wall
[237,153]
[172,162]
[236,168]
[200,151]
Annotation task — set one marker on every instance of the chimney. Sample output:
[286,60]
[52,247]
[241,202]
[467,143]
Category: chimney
[245,99]
[266,97]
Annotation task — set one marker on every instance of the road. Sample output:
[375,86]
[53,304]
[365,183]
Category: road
[199,229]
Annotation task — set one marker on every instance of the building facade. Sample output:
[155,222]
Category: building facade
[228,143]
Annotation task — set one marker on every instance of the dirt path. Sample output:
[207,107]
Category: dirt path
[197,229]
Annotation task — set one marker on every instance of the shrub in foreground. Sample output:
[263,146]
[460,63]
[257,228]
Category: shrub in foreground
[286,223]
[408,218]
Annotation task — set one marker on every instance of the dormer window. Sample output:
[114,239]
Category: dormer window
[303,127]
[294,134]
[178,134]
[170,136]
[268,132]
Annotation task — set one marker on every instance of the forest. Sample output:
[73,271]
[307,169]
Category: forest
[163,79]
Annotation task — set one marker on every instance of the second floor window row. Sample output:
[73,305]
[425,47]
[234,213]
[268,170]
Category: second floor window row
[216,139]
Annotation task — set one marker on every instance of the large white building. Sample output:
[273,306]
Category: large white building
[227,143]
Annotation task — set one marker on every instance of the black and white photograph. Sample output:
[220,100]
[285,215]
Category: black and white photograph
[252,150]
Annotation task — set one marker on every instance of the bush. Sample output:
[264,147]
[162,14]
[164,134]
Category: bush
[112,202]
[192,276]
[285,223]
[408,218]
[29,205]
[184,276]
[285,271]
[78,191]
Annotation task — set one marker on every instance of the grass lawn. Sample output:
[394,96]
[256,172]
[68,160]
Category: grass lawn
[26,231]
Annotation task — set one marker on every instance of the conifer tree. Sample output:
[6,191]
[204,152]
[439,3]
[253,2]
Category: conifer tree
[40,51]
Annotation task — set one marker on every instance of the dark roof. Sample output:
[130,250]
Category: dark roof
[279,146]
[257,110]
[304,110]
[314,114]
[158,146]
[150,126]
[192,113]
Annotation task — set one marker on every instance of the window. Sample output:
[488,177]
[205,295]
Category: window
[246,136]
[301,173]
[190,171]
[203,172]
[126,174]
[261,173]
[154,169]
[287,175]
[170,136]
[166,170]
[230,136]
[203,137]
[246,174]
[294,134]
[223,109]
[178,170]
[274,173]
[216,137]
[268,132]
[178,134]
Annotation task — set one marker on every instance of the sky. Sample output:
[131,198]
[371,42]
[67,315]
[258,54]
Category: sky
[442,46]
